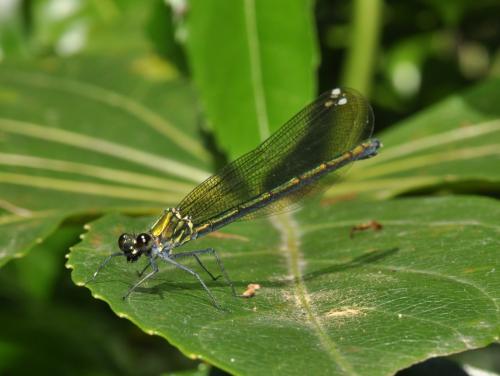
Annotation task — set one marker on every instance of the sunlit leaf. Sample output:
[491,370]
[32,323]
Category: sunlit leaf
[254,70]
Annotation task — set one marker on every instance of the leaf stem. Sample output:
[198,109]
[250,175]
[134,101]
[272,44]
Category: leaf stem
[364,36]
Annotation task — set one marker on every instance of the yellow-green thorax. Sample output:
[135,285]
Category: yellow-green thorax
[172,229]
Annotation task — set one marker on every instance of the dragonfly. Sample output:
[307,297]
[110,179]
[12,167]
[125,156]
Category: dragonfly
[309,152]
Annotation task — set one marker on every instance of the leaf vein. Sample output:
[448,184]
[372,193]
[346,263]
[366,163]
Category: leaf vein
[117,100]
[441,276]
[459,335]
[438,139]
[104,147]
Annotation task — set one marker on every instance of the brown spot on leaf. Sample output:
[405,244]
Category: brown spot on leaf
[338,198]
[371,225]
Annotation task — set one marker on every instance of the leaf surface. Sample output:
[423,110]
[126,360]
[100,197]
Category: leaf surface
[426,284]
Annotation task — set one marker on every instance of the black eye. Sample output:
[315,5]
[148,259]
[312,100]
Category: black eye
[144,241]
[126,243]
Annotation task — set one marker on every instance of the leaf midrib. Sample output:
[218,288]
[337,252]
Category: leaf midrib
[290,244]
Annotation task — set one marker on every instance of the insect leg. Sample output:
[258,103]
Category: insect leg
[194,254]
[141,281]
[103,264]
[217,258]
[167,258]
[143,270]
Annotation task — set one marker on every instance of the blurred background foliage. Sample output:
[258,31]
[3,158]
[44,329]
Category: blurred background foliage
[420,51]
[404,55]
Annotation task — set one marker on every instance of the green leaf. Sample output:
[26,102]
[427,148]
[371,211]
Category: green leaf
[426,284]
[455,143]
[21,232]
[68,28]
[253,65]
[87,135]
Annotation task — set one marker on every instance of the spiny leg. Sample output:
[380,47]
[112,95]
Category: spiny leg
[168,258]
[219,262]
[141,281]
[103,264]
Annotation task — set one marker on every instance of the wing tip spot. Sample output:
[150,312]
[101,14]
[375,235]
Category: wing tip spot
[336,93]
[342,101]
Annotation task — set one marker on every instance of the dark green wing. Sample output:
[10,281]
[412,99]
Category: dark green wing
[333,124]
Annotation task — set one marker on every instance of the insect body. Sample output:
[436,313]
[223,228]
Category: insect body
[305,153]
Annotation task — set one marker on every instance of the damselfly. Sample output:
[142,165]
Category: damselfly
[328,134]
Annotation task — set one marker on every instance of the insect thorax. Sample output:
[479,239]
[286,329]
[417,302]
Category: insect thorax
[173,228]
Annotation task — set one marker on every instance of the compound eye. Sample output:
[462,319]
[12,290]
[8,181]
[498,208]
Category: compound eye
[126,242]
[144,241]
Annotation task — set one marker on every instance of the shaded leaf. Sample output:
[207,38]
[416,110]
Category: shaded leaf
[426,284]
[22,232]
